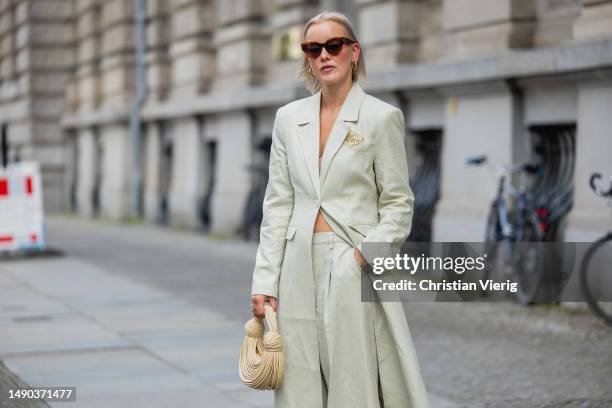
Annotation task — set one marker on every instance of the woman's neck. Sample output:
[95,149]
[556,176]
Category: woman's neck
[333,96]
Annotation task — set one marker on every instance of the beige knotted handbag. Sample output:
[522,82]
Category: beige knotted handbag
[261,356]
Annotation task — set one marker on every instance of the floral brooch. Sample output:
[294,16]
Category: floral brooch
[353,139]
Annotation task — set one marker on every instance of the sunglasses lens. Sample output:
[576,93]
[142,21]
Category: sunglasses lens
[333,47]
[313,50]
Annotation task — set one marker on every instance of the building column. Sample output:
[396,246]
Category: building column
[86,171]
[487,26]
[49,44]
[555,22]
[595,20]
[399,41]
[157,39]
[589,218]
[83,93]
[482,120]
[234,152]
[242,44]
[151,180]
[286,23]
[191,50]
[118,82]
[116,188]
[185,191]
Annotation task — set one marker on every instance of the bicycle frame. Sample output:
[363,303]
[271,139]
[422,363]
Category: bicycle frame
[523,207]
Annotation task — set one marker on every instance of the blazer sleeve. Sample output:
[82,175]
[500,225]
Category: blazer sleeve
[277,211]
[396,199]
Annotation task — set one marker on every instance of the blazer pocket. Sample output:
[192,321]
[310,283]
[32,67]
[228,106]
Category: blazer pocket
[362,227]
[290,232]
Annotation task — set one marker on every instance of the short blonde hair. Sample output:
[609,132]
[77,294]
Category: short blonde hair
[312,83]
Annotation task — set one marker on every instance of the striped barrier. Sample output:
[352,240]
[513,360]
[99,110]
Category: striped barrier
[21,207]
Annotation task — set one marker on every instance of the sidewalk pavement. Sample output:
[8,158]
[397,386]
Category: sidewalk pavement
[8,382]
[65,322]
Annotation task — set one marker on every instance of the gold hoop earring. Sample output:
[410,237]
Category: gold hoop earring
[354,65]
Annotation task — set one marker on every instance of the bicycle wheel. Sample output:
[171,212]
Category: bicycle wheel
[529,264]
[601,309]
[491,250]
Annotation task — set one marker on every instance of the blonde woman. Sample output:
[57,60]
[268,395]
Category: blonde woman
[338,178]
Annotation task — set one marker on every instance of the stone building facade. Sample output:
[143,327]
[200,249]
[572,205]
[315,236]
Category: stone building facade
[499,77]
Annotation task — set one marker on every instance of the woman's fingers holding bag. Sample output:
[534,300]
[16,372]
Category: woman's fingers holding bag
[273,302]
[257,301]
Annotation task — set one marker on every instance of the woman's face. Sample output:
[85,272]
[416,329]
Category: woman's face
[331,69]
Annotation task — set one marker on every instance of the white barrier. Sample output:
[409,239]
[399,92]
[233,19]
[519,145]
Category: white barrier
[21,207]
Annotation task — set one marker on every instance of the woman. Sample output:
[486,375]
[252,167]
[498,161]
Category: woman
[338,178]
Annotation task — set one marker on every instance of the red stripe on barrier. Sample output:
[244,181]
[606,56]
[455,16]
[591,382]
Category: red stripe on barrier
[33,237]
[3,187]
[6,238]
[29,185]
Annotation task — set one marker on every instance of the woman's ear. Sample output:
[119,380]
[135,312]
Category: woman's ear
[356,52]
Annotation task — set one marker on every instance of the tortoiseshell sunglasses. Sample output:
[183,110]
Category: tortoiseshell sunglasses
[333,46]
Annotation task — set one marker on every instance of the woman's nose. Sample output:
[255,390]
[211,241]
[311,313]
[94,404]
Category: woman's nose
[324,55]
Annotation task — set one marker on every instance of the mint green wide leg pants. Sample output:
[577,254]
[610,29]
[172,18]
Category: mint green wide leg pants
[347,348]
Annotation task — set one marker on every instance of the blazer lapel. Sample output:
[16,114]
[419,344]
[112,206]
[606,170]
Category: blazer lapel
[308,121]
[348,113]
[308,131]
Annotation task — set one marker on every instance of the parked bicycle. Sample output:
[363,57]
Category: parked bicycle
[590,288]
[512,222]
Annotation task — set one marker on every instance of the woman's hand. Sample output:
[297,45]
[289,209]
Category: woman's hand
[258,304]
[360,258]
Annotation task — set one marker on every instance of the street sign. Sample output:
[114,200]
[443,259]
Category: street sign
[21,207]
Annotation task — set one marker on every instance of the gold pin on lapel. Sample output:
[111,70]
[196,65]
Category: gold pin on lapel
[353,139]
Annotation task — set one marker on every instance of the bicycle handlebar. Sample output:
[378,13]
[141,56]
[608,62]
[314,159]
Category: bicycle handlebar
[526,167]
[475,160]
[599,191]
[533,169]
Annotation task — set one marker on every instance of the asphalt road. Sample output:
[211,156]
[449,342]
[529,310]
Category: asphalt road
[476,355]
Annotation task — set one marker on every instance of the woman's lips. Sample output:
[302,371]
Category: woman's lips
[326,69]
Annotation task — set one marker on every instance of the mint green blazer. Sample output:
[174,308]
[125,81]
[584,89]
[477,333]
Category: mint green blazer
[364,193]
